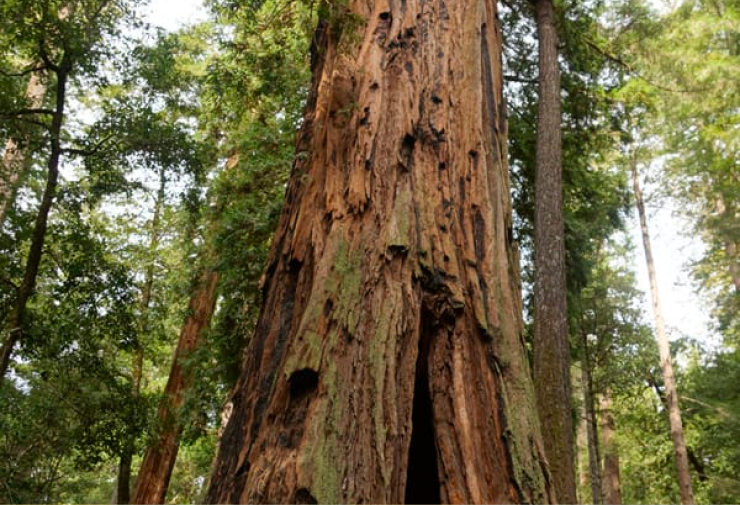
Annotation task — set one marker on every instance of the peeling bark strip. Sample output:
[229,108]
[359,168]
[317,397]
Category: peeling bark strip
[159,460]
[391,309]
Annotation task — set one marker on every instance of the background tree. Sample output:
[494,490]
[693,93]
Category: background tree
[68,40]
[551,344]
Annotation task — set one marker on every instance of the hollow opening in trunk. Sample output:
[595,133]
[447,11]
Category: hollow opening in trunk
[422,478]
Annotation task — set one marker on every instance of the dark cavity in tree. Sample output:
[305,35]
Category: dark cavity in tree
[304,496]
[422,480]
[303,383]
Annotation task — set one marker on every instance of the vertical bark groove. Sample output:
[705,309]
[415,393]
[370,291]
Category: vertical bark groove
[389,221]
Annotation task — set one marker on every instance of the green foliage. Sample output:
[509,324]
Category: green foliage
[621,348]
[595,195]
[712,406]
[681,70]
[255,95]
[69,407]
[665,83]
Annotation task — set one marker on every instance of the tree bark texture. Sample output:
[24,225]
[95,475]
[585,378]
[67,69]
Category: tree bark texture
[15,159]
[14,324]
[551,343]
[159,460]
[666,365]
[388,363]
[612,480]
[592,434]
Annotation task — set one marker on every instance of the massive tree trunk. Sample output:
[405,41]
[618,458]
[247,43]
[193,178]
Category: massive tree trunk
[159,460]
[14,324]
[612,479]
[666,365]
[551,344]
[388,362]
[15,158]
[137,368]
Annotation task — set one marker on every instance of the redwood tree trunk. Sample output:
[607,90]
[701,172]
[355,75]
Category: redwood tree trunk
[551,344]
[15,160]
[14,324]
[388,363]
[612,479]
[666,365]
[159,460]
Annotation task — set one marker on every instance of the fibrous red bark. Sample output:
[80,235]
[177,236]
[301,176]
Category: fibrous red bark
[388,363]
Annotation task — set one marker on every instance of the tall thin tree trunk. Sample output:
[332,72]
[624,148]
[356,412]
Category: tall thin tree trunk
[124,471]
[674,412]
[730,247]
[731,252]
[551,344]
[159,460]
[592,434]
[14,324]
[388,363]
[694,460]
[612,479]
[123,485]
[582,461]
[15,159]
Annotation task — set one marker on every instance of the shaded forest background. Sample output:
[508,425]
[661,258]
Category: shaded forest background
[142,166]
